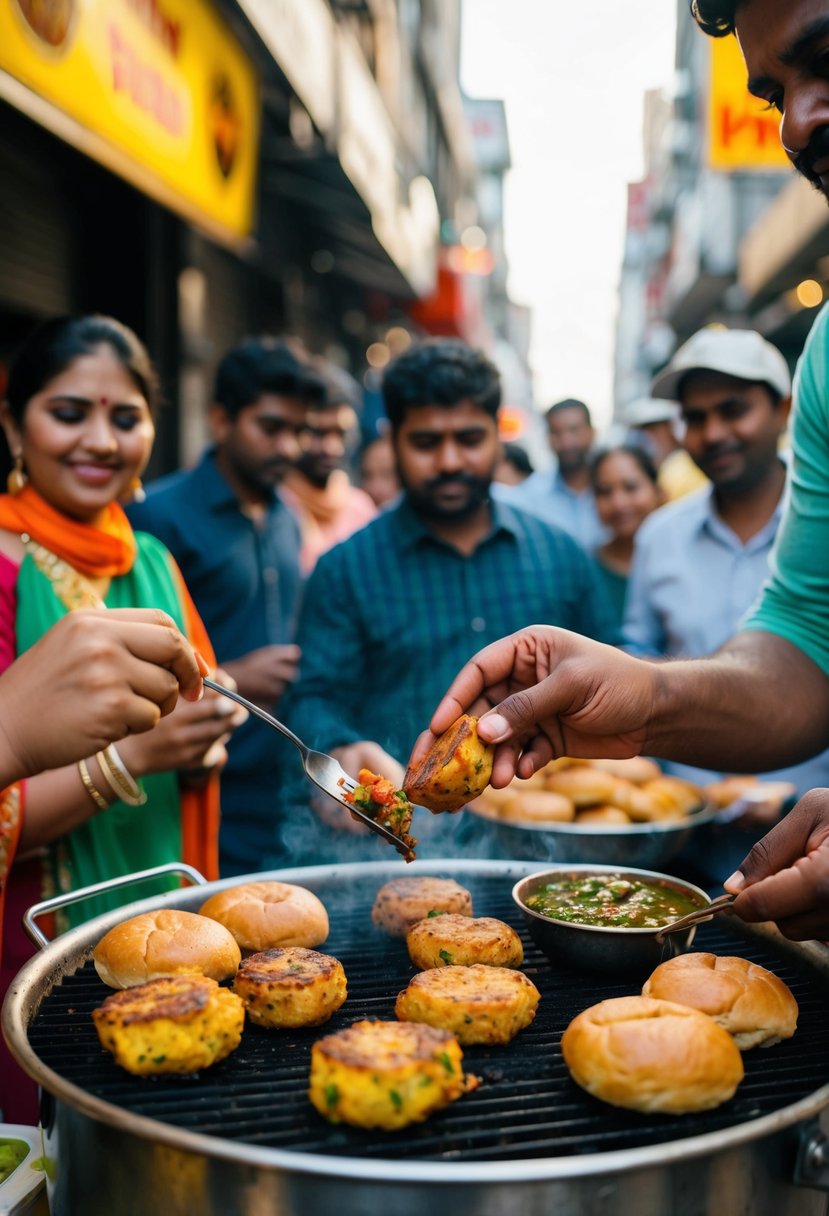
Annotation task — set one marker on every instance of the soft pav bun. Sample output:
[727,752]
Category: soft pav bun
[751,1003]
[162,943]
[650,1055]
[266,915]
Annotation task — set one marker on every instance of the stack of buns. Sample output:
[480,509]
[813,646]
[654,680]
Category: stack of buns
[676,1048]
[593,792]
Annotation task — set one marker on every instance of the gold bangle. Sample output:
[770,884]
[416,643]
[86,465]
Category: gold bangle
[120,778]
[91,789]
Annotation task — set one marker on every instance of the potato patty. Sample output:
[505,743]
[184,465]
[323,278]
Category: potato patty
[478,1004]
[290,987]
[447,939]
[402,902]
[177,1023]
[385,1074]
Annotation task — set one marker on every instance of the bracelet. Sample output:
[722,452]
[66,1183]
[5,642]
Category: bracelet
[90,787]
[119,778]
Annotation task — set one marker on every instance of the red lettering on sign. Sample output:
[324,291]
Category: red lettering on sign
[163,27]
[144,84]
[759,129]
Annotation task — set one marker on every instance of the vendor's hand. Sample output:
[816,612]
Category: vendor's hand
[263,675]
[93,678]
[545,692]
[191,738]
[785,877]
[353,757]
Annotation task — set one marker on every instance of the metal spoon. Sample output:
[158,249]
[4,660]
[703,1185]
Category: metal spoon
[721,904]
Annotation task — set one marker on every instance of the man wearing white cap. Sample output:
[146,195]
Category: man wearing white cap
[699,563]
[656,420]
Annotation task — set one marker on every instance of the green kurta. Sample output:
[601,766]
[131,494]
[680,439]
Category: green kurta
[123,838]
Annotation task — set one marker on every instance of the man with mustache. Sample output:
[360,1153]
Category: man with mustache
[762,700]
[390,614]
[238,547]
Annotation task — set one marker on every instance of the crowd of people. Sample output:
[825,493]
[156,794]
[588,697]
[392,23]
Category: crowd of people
[345,585]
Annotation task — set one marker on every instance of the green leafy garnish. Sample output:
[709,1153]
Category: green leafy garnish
[446,957]
[332,1095]
[396,1100]
[443,1057]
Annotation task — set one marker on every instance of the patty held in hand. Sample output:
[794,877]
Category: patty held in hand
[166,942]
[291,987]
[178,1024]
[456,769]
[446,940]
[385,1074]
[261,915]
[650,1055]
[402,902]
[478,1004]
[751,1003]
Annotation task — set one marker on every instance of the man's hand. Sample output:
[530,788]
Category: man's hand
[93,678]
[545,692]
[263,675]
[785,877]
[353,757]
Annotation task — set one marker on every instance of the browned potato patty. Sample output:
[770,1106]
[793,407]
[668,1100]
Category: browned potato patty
[402,902]
[385,1074]
[178,1023]
[448,939]
[477,1004]
[291,987]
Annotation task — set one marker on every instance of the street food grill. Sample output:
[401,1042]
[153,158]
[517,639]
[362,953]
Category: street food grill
[245,1127]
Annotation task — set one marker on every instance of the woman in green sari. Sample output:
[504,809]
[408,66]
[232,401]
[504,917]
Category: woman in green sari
[78,418]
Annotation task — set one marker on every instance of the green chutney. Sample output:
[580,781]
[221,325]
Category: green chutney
[613,901]
[12,1152]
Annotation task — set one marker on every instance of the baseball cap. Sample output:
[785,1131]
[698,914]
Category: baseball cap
[646,410]
[742,353]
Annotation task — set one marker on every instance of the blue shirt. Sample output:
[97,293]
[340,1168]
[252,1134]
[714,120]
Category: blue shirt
[391,615]
[547,495]
[245,580]
[692,581]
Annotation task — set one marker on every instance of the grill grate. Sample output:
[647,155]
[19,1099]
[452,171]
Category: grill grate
[526,1106]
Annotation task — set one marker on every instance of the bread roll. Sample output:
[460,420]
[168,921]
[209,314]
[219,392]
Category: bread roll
[637,769]
[537,806]
[603,814]
[167,942]
[751,1003]
[683,794]
[723,793]
[582,785]
[265,915]
[651,1055]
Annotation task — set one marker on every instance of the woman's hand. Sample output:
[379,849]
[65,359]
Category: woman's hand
[546,692]
[191,738]
[785,877]
[93,678]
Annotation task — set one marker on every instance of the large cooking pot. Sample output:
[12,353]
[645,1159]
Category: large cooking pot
[242,1137]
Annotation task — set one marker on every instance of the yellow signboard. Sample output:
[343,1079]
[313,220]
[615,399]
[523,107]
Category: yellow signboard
[742,133]
[158,90]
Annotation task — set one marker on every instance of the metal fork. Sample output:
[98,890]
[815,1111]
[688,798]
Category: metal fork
[721,904]
[322,769]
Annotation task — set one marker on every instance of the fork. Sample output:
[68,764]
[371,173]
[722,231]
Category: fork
[325,772]
[721,904]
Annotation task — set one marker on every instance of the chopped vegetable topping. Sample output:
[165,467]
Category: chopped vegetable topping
[378,798]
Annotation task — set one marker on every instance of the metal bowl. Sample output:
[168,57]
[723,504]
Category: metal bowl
[598,947]
[636,844]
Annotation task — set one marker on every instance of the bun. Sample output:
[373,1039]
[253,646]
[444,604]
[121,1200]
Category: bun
[748,1001]
[163,943]
[538,806]
[582,785]
[264,915]
[603,814]
[637,769]
[651,1055]
[723,793]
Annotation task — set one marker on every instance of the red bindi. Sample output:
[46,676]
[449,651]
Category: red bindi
[105,401]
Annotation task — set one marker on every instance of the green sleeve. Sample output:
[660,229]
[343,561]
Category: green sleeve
[794,603]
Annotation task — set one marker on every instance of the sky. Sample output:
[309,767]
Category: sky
[573,74]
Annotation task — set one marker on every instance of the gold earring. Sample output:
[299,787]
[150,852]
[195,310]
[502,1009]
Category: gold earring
[17,478]
[136,490]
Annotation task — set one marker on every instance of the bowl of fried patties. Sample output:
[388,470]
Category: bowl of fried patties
[607,812]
